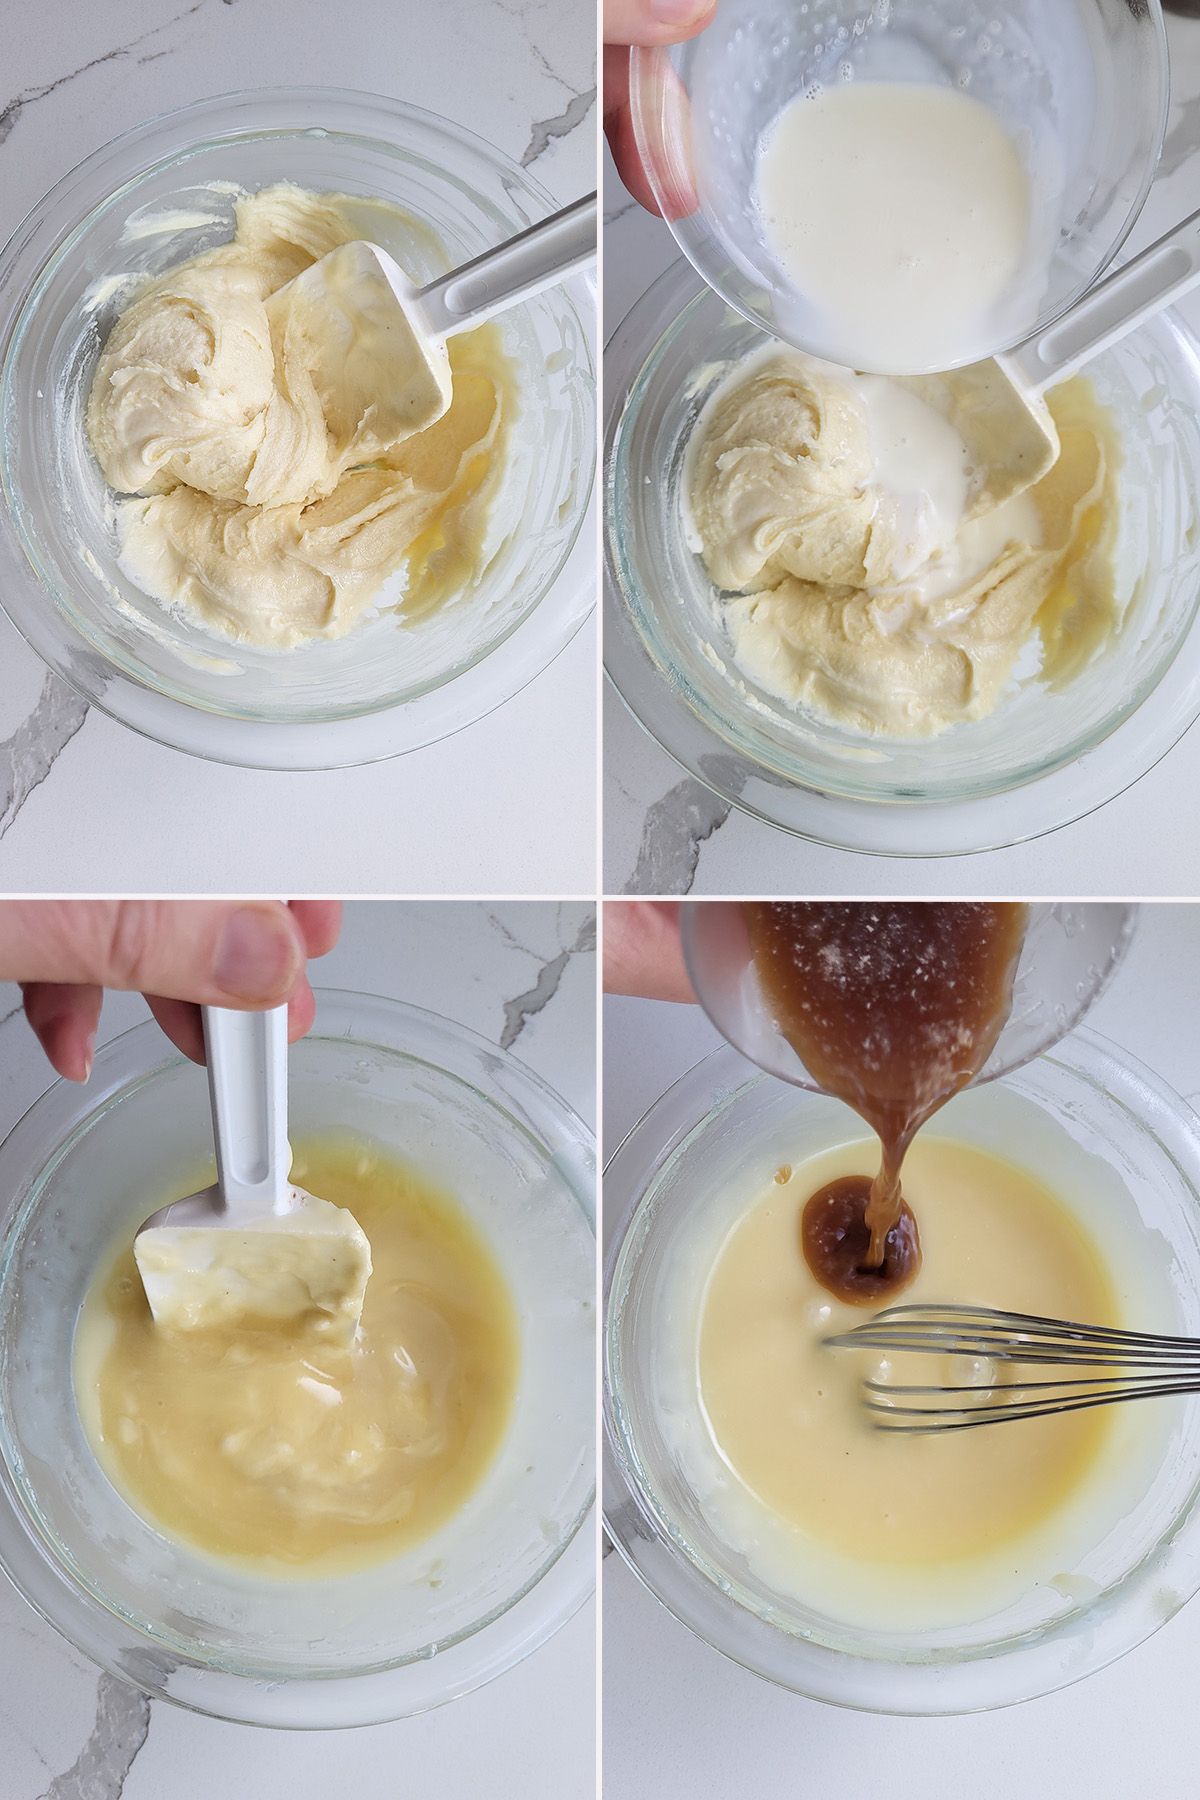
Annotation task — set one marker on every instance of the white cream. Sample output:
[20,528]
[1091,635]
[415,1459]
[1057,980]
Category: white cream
[901,211]
[921,476]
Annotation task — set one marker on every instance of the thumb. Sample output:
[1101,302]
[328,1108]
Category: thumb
[655,21]
[238,953]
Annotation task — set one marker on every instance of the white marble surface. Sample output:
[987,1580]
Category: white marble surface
[683,1723]
[87,806]
[521,974]
[689,840]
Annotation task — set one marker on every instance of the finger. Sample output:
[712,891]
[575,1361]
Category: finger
[64,1020]
[673,160]
[181,1022]
[320,923]
[183,1025]
[643,955]
[618,128]
[302,1010]
[655,21]
[238,953]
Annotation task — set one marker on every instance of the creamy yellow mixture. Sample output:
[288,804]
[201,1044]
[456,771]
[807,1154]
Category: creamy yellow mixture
[881,614]
[282,1450]
[276,502]
[857,1507]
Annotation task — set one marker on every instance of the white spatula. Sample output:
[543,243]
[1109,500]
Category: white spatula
[380,341]
[253,1246]
[997,406]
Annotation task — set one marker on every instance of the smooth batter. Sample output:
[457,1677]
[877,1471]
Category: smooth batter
[863,1508]
[283,1451]
[276,504]
[836,511]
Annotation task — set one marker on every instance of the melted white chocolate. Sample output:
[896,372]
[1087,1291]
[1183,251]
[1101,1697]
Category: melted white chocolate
[857,1519]
[277,1447]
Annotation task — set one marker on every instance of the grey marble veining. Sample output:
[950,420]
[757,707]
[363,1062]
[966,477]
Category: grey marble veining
[100,1769]
[29,754]
[524,1006]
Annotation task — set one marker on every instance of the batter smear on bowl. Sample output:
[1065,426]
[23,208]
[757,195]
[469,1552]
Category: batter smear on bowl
[273,502]
[892,1007]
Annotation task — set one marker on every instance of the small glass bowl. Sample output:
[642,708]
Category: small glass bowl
[1123,1153]
[1082,87]
[164,192]
[1038,761]
[85,1165]
[1070,953]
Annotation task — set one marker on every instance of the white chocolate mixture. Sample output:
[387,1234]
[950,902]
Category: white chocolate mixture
[901,210]
[280,1448]
[870,588]
[890,1528]
[276,502]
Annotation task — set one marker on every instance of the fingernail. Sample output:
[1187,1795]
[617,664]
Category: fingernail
[89,1055]
[254,957]
[679,12]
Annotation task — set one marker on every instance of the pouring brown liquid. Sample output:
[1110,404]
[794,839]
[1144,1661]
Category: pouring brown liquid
[892,1006]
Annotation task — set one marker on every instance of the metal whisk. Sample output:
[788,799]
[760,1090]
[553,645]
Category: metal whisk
[1166,1365]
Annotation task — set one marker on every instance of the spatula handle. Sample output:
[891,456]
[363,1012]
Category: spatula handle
[1112,308]
[247,1084]
[536,259]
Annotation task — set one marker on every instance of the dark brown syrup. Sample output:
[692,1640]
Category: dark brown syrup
[892,1006]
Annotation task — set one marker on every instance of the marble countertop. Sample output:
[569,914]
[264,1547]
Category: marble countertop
[85,804]
[681,1722]
[522,975]
[665,832]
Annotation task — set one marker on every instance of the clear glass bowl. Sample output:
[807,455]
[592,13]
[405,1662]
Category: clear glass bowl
[1040,760]
[1070,953]
[86,1164]
[162,193]
[1123,1152]
[1082,86]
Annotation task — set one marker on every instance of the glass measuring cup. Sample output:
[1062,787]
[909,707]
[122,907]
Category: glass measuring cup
[1070,954]
[1080,85]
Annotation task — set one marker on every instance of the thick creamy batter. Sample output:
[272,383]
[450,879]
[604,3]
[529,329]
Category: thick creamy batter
[276,502]
[901,210]
[283,1450]
[784,1411]
[841,510]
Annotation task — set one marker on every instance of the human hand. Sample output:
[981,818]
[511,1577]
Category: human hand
[643,955]
[646,22]
[181,954]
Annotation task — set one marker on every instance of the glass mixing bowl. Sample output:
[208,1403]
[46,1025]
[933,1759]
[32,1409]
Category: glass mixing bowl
[86,1164]
[1082,86]
[1041,759]
[1069,955]
[164,192]
[1123,1153]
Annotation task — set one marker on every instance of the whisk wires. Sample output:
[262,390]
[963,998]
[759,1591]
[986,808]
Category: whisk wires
[1167,1365]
